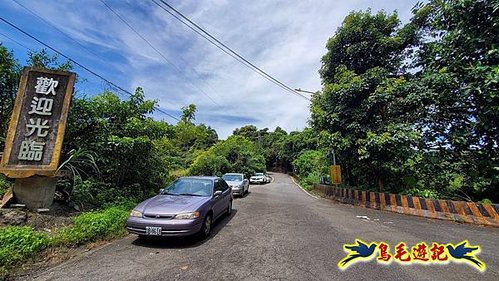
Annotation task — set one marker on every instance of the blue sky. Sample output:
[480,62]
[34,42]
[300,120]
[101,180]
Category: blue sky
[285,38]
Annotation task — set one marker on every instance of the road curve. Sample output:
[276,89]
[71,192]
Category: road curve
[278,232]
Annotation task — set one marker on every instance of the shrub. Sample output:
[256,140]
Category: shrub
[424,193]
[93,226]
[311,161]
[93,193]
[310,166]
[485,201]
[308,181]
[4,185]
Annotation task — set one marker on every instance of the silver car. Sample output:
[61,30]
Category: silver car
[237,182]
[258,178]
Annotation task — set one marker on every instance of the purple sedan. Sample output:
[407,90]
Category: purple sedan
[188,206]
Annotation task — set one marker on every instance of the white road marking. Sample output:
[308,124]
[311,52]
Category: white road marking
[363,217]
[309,194]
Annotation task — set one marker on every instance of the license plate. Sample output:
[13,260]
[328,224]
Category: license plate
[153,230]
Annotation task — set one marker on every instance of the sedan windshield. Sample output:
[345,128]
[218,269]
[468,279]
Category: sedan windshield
[190,187]
[258,174]
[233,177]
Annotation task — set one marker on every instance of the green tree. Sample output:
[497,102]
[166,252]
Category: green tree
[127,144]
[189,113]
[241,155]
[457,89]
[311,161]
[293,144]
[361,107]
[366,41]
[310,165]
[209,164]
[9,79]
[43,59]
[249,131]
[272,142]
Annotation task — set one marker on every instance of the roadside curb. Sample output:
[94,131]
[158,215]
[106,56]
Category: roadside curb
[459,211]
[302,189]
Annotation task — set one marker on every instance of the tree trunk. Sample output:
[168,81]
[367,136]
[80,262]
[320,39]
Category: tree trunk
[381,186]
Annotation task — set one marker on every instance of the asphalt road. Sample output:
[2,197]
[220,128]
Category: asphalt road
[278,232]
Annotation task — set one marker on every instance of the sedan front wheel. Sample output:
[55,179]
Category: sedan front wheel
[206,228]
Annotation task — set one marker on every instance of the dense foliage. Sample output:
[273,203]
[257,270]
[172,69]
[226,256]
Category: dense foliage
[413,108]
[237,154]
[9,78]
[406,108]
[311,165]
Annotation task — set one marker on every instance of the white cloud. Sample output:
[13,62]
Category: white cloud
[285,38]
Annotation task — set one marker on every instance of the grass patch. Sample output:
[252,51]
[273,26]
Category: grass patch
[92,226]
[20,244]
[306,184]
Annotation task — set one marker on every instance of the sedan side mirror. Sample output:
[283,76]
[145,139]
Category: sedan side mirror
[217,193]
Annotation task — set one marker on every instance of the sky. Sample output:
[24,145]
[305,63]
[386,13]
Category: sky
[286,39]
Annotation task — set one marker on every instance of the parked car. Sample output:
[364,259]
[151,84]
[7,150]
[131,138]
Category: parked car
[188,206]
[237,182]
[268,178]
[258,178]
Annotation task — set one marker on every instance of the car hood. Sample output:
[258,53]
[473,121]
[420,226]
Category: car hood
[171,204]
[236,183]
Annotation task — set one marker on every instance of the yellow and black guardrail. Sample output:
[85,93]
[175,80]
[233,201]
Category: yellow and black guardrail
[461,211]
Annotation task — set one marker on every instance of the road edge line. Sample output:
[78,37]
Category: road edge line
[302,189]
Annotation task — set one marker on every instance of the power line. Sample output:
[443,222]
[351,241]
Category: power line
[157,51]
[199,33]
[67,36]
[56,28]
[77,63]
[232,54]
[225,48]
[31,50]
[15,41]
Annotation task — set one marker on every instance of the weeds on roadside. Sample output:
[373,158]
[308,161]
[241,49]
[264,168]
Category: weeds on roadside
[19,244]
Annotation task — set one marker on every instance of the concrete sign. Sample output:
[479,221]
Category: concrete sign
[36,130]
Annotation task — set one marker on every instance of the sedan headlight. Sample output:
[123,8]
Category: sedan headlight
[135,213]
[188,216]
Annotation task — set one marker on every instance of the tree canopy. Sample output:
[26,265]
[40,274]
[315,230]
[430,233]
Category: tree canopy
[413,108]
[409,108]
